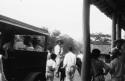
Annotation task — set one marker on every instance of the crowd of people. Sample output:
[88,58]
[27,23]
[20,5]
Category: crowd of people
[68,63]
[63,66]
[27,43]
[116,66]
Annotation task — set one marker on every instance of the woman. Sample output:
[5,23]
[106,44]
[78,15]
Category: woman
[97,66]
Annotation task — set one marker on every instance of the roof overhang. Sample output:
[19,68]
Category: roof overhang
[16,27]
[109,7]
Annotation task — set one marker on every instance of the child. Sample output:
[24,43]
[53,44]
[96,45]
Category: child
[50,68]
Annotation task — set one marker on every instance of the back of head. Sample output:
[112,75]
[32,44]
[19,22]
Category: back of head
[59,41]
[118,43]
[70,49]
[96,53]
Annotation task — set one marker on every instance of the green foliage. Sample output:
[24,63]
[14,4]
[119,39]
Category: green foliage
[100,39]
[53,38]
[68,41]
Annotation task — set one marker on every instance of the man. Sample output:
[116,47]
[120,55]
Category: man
[58,50]
[69,64]
[79,61]
[117,65]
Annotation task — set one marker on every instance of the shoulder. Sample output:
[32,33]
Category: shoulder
[56,46]
[0,56]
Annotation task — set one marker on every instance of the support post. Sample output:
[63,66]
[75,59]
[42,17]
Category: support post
[118,30]
[85,75]
[114,18]
[46,43]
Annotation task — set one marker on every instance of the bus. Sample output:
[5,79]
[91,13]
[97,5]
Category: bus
[22,65]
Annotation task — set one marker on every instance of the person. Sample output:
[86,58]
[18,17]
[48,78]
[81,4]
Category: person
[36,45]
[50,68]
[2,75]
[117,65]
[5,48]
[97,66]
[62,71]
[69,64]
[19,43]
[29,47]
[58,50]
[79,61]
[80,56]
[7,41]
[50,51]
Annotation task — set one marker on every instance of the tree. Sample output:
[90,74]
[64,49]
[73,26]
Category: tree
[100,38]
[70,42]
[53,38]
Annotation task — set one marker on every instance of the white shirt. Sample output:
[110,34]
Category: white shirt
[19,45]
[57,49]
[80,56]
[69,60]
[50,63]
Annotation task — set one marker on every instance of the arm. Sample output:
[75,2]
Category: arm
[111,65]
[6,55]
[5,47]
[106,68]
[64,62]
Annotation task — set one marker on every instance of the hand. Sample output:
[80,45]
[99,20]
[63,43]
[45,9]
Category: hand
[57,74]
[62,68]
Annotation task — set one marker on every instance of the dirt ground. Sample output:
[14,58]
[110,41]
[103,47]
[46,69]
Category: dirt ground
[78,78]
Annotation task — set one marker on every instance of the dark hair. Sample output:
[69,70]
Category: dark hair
[27,40]
[119,43]
[115,53]
[60,41]
[96,53]
[53,56]
[70,49]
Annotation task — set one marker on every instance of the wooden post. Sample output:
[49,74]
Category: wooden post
[46,43]
[118,30]
[85,75]
[113,29]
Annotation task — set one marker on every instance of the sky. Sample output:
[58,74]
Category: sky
[62,15]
